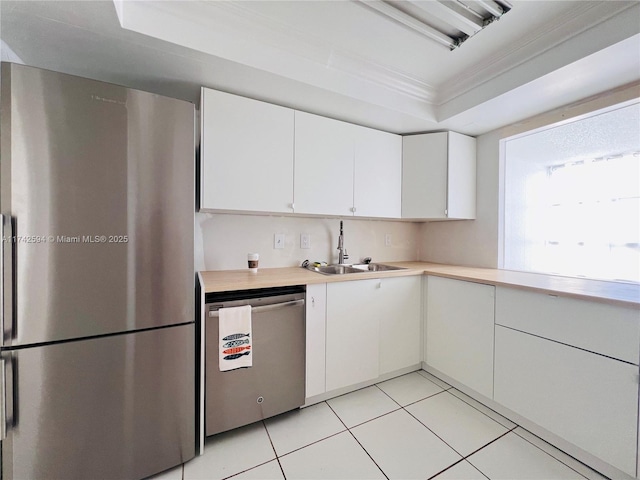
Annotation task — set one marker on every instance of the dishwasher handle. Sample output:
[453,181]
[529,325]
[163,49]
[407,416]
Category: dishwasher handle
[266,308]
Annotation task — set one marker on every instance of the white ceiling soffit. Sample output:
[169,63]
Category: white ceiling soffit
[362,50]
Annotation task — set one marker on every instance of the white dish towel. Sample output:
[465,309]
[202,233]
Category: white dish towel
[234,329]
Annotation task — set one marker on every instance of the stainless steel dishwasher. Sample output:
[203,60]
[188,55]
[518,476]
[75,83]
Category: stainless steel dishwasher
[276,381]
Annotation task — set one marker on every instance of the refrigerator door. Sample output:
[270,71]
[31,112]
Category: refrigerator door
[115,407]
[98,183]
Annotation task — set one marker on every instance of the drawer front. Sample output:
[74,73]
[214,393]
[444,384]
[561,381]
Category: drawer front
[587,399]
[610,330]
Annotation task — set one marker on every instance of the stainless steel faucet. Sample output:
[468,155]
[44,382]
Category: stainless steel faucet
[343,255]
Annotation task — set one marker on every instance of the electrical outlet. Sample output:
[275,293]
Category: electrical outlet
[305,240]
[387,239]
[278,240]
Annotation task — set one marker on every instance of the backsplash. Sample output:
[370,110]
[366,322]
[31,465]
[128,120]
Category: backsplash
[222,241]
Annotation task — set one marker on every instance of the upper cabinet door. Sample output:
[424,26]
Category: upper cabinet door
[439,176]
[324,150]
[246,154]
[424,176]
[378,174]
[461,190]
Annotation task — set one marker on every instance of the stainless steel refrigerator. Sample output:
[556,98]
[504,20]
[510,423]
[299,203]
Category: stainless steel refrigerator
[97,349]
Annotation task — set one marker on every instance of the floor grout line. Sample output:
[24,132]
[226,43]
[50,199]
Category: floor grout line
[464,458]
[361,446]
[274,449]
[439,437]
[484,413]
[554,457]
[314,442]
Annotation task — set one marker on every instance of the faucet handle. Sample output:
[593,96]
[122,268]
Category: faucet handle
[366,260]
[345,254]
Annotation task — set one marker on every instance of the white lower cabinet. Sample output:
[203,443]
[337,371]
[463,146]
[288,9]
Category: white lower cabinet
[316,312]
[460,331]
[399,313]
[352,333]
[373,328]
[588,399]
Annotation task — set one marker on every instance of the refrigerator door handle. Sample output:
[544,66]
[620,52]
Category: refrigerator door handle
[4,238]
[3,401]
[6,278]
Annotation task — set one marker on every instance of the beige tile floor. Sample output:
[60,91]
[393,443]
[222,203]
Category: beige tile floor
[411,427]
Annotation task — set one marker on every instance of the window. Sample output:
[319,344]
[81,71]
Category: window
[571,200]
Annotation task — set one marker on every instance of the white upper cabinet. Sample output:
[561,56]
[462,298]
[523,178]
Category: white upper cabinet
[259,157]
[439,176]
[246,154]
[347,170]
[378,174]
[324,150]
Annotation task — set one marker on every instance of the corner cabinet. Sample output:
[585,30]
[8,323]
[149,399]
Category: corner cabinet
[246,154]
[460,331]
[346,170]
[439,176]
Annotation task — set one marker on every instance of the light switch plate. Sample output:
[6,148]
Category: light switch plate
[387,239]
[305,240]
[278,240]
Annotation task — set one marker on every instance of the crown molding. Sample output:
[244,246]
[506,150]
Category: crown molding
[306,45]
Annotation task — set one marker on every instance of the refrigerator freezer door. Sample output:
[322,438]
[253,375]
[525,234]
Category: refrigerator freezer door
[120,406]
[99,183]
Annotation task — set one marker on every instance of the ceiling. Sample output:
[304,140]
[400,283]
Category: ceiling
[343,59]
[611,132]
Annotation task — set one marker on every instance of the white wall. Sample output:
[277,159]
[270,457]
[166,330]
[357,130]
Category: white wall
[223,240]
[476,242]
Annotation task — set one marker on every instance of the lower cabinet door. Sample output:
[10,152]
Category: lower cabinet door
[399,316]
[316,329]
[587,399]
[459,332]
[352,333]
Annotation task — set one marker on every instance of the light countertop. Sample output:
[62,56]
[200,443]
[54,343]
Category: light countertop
[617,293]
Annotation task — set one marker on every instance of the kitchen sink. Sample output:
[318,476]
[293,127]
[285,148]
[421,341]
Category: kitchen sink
[376,267]
[358,268]
[334,269]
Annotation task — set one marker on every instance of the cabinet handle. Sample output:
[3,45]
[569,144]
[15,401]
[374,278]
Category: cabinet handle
[292,206]
[313,301]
